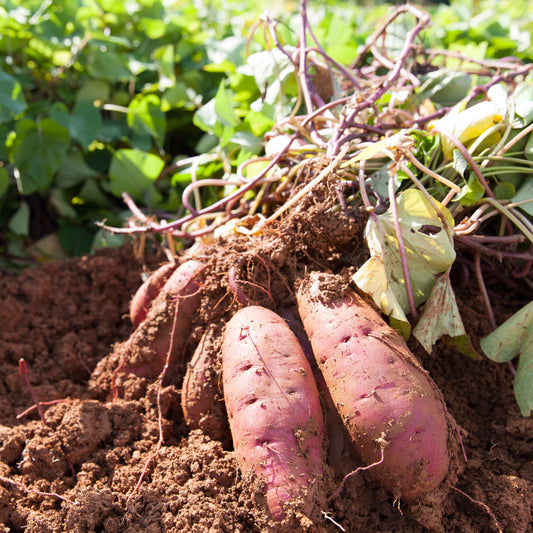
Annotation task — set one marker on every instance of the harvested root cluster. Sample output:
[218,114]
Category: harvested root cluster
[279,378]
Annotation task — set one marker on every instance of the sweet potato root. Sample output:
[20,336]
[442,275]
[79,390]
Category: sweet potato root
[167,323]
[148,291]
[273,408]
[391,408]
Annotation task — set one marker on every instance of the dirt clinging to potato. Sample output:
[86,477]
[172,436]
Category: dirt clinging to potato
[69,321]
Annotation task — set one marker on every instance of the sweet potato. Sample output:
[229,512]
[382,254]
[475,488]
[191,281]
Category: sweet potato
[148,291]
[332,421]
[167,323]
[391,408]
[201,392]
[273,409]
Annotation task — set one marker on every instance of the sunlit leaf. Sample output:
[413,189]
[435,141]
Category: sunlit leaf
[146,117]
[471,192]
[512,339]
[445,87]
[523,101]
[459,163]
[134,172]
[224,107]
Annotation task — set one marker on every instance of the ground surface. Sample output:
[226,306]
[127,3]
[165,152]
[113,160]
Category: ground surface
[64,318]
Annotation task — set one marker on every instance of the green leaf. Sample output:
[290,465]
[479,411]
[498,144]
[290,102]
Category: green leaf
[12,101]
[224,107]
[471,192]
[85,123]
[4,181]
[460,164]
[529,148]
[428,246]
[108,65]
[273,72]
[4,134]
[19,223]
[515,338]
[205,118]
[134,172]
[104,239]
[94,91]
[445,87]
[38,151]
[74,170]
[76,240]
[175,97]
[146,117]
[62,203]
[504,191]
[525,193]
[92,194]
[523,101]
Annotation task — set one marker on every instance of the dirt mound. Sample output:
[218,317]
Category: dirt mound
[77,472]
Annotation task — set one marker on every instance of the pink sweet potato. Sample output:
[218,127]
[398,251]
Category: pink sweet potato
[273,409]
[167,323]
[148,291]
[389,405]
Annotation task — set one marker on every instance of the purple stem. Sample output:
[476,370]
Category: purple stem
[401,247]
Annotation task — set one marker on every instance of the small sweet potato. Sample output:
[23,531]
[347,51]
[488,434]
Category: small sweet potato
[148,291]
[201,395]
[391,408]
[167,323]
[273,409]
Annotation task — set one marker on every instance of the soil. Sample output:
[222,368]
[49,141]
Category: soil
[97,463]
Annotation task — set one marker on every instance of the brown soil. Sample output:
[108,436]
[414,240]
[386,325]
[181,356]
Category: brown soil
[69,322]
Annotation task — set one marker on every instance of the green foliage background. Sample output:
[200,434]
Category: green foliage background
[100,97]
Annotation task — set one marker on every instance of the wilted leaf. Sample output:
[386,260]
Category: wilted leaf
[515,338]
[440,316]
[466,124]
[428,247]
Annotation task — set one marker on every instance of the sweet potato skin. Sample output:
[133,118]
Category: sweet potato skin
[171,311]
[387,401]
[273,409]
[148,291]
